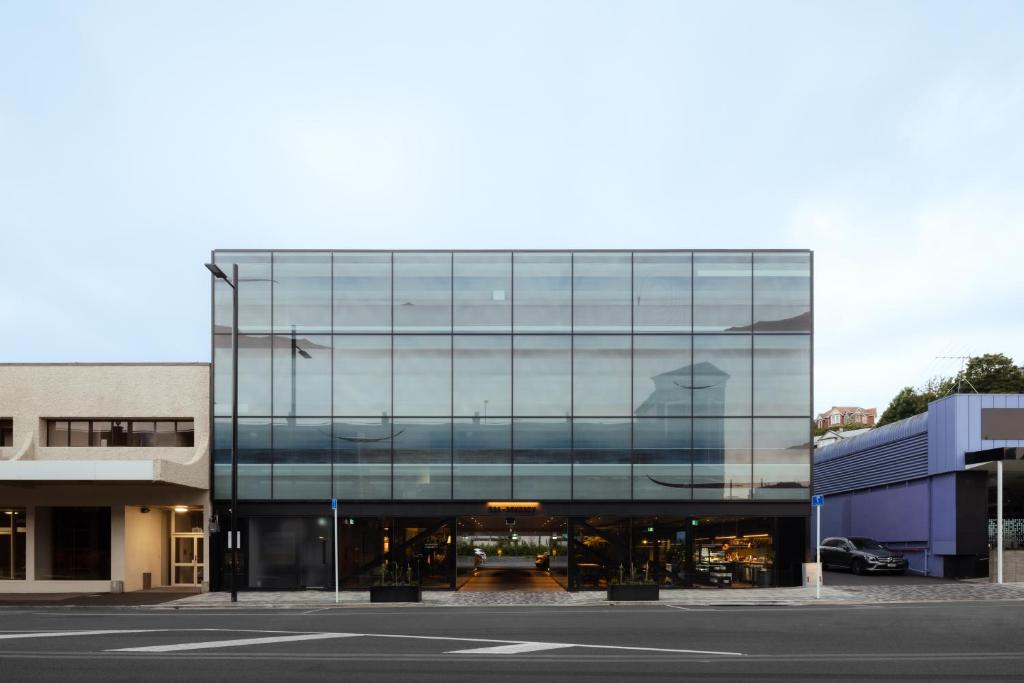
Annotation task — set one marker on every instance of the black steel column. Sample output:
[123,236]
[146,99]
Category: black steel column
[233,539]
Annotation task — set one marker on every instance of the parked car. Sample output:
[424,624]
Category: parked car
[542,561]
[860,554]
[477,552]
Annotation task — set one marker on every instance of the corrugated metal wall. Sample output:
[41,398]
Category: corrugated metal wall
[896,461]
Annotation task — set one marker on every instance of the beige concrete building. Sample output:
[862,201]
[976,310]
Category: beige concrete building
[104,476]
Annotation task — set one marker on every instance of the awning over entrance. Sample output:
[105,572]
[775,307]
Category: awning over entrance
[131,471]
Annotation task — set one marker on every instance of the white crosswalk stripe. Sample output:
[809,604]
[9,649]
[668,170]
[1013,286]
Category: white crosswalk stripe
[59,634]
[510,649]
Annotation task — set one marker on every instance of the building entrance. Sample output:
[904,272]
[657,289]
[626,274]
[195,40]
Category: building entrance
[500,552]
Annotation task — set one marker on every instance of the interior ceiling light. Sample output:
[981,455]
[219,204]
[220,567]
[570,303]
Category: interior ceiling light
[181,508]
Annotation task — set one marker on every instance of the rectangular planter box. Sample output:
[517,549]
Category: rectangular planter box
[395,594]
[633,592]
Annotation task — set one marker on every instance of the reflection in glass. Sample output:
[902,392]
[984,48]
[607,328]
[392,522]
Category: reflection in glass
[782,375]
[57,433]
[13,543]
[721,292]
[661,292]
[79,434]
[423,377]
[543,292]
[362,374]
[362,292]
[254,273]
[362,459]
[302,374]
[143,433]
[542,460]
[302,458]
[601,375]
[782,292]
[482,462]
[302,291]
[483,375]
[782,459]
[423,292]
[721,375]
[254,458]
[482,291]
[662,468]
[100,433]
[662,375]
[601,292]
[601,469]
[290,552]
[253,374]
[542,375]
[423,459]
[721,458]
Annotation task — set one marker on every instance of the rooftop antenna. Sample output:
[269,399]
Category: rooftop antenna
[960,379]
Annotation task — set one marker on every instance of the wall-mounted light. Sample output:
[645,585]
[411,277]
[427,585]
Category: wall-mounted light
[143,509]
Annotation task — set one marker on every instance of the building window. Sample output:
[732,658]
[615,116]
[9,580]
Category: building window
[12,543]
[135,433]
[834,419]
[6,431]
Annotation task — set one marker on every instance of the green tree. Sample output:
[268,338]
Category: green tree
[993,373]
[907,403]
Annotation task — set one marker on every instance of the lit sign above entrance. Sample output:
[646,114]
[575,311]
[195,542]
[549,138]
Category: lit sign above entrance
[512,506]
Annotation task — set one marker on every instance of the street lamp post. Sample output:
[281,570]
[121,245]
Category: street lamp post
[233,540]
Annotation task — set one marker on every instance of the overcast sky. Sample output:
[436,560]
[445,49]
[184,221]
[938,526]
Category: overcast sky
[888,137]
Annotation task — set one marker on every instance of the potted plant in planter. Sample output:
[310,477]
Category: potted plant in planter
[633,586]
[395,585]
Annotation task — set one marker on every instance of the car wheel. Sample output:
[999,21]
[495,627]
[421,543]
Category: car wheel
[858,567]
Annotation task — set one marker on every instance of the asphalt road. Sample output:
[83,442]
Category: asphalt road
[950,641]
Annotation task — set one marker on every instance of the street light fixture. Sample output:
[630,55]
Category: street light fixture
[233,539]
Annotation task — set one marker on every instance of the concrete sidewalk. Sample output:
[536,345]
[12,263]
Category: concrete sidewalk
[852,595]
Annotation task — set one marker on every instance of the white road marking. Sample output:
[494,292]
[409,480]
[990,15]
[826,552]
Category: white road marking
[510,649]
[58,634]
[240,642]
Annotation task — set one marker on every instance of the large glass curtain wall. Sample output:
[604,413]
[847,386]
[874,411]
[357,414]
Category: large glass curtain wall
[524,375]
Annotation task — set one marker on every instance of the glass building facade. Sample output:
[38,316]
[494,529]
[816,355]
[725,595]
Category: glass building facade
[415,382]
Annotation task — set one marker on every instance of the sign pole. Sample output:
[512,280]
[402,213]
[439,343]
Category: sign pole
[817,586]
[334,506]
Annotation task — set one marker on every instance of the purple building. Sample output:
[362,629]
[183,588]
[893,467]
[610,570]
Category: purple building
[927,485]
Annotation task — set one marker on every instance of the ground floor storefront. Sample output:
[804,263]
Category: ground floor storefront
[516,546]
[102,538]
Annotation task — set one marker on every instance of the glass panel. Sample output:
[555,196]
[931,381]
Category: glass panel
[721,292]
[253,292]
[601,292]
[542,375]
[184,550]
[661,292]
[423,292]
[601,375]
[12,543]
[722,370]
[483,375]
[253,376]
[542,461]
[185,433]
[542,292]
[662,376]
[661,449]
[482,291]
[100,433]
[302,374]
[254,458]
[362,292]
[143,433]
[483,463]
[290,552]
[80,543]
[782,292]
[601,469]
[166,434]
[362,459]
[782,459]
[222,458]
[119,433]
[362,375]
[721,459]
[782,375]
[6,432]
[423,459]
[79,433]
[423,378]
[302,458]
[302,292]
[57,433]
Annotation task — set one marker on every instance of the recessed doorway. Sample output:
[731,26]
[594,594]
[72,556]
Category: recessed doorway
[512,553]
[187,548]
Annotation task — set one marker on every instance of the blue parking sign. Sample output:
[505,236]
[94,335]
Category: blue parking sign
[817,501]
[334,503]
